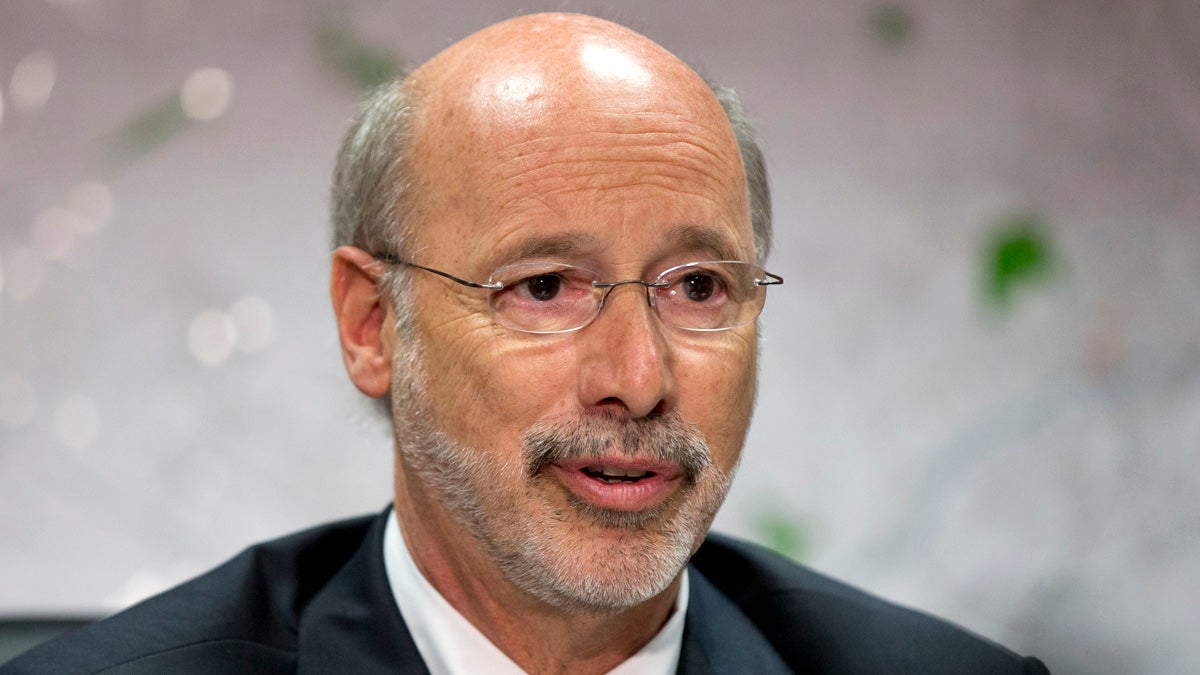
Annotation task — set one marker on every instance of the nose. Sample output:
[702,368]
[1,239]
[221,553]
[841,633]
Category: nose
[625,364]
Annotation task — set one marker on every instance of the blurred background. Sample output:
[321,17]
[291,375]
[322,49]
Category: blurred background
[980,389]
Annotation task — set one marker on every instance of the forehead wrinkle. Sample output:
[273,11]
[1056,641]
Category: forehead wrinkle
[682,151]
[615,126]
[592,185]
[679,132]
[565,175]
[628,170]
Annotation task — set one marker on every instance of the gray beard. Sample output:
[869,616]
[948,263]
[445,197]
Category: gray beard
[537,547]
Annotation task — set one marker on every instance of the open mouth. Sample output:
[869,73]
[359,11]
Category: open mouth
[613,475]
[618,482]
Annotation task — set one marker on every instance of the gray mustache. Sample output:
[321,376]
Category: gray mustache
[666,438]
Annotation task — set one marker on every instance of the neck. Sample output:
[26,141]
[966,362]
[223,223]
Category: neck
[538,636]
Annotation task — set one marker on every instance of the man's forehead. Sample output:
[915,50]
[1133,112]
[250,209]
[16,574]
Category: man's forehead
[572,122]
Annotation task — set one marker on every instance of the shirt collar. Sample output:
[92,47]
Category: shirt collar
[450,645]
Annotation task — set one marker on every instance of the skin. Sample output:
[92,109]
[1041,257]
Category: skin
[573,130]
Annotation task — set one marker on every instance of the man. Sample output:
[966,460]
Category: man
[548,265]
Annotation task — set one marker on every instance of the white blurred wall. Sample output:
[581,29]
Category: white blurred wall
[1025,470]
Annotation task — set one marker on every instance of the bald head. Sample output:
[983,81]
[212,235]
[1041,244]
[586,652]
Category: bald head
[548,65]
[484,103]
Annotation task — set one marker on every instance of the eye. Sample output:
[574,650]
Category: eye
[698,287]
[542,287]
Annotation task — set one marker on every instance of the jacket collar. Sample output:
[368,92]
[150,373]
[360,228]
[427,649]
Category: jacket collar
[719,638]
[353,625]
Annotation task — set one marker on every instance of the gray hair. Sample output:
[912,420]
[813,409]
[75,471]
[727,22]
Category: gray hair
[371,181]
[369,200]
[753,164]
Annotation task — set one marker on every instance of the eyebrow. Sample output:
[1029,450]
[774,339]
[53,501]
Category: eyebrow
[689,237]
[563,245]
[698,238]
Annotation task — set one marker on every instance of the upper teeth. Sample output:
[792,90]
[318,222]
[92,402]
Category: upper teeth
[612,471]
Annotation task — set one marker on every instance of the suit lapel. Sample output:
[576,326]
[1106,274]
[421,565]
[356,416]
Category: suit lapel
[718,638]
[353,625]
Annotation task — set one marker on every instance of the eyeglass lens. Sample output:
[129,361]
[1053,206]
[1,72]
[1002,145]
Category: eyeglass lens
[552,297]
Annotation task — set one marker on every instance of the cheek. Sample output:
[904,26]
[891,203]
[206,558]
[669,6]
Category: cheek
[495,389]
[716,392]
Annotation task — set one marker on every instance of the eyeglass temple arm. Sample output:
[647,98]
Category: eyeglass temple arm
[397,261]
[775,280]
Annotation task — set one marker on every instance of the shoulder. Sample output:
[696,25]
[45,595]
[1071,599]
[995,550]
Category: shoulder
[240,617]
[818,624]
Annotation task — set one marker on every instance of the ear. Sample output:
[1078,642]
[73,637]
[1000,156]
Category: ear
[364,319]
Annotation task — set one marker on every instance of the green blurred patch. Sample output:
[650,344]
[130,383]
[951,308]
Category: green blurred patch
[148,131]
[786,535]
[363,65]
[892,23]
[1018,253]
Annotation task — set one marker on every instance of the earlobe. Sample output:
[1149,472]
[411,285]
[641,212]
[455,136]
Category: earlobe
[363,319]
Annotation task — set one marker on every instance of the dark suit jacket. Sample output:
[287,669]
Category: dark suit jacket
[319,602]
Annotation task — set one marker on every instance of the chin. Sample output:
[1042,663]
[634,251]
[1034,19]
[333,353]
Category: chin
[579,558]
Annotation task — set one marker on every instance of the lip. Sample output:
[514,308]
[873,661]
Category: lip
[622,496]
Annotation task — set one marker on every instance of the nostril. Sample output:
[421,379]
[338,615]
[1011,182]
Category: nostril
[658,410]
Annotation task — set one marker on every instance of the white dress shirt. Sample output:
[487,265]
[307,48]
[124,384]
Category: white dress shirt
[450,645]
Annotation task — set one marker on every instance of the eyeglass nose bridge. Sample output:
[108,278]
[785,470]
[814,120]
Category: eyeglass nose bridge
[608,287]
